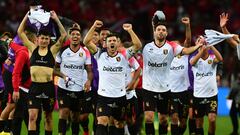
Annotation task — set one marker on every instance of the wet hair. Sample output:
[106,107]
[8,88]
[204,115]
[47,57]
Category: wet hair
[44,32]
[75,26]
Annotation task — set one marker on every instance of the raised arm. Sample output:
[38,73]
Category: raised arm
[22,35]
[137,45]
[191,49]
[223,22]
[219,57]
[195,59]
[188,35]
[87,40]
[57,46]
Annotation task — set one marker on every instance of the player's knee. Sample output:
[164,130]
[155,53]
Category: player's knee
[212,118]
[163,119]
[64,113]
[48,117]
[118,124]
[33,117]
[84,117]
[103,120]
[174,118]
[149,116]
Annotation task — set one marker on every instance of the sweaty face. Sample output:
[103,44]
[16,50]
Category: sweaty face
[112,43]
[160,33]
[43,40]
[75,37]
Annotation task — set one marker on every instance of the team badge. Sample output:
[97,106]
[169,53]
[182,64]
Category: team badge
[210,61]
[30,102]
[80,54]
[165,51]
[118,59]
[61,102]
[178,56]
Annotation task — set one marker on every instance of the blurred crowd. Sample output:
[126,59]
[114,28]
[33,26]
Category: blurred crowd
[204,14]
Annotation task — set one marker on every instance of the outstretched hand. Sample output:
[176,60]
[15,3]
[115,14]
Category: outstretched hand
[223,19]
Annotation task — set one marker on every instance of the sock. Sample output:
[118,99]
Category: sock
[182,129]
[149,128]
[192,126]
[84,125]
[211,133]
[75,128]
[163,129]
[174,129]
[199,131]
[48,132]
[32,132]
[2,124]
[8,126]
[62,126]
[101,130]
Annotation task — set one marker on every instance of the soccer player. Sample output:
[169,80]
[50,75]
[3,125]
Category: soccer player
[204,67]
[235,76]
[179,86]
[71,62]
[157,57]
[112,69]
[42,62]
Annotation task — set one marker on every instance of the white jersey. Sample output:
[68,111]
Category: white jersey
[133,66]
[156,65]
[178,77]
[72,64]
[112,71]
[205,83]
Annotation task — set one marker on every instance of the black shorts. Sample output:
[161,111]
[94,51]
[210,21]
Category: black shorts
[75,101]
[190,96]
[204,106]
[132,108]
[180,104]
[114,107]
[155,101]
[42,94]
[93,101]
[88,106]
[1,93]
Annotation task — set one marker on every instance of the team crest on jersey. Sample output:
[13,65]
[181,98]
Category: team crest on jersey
[165,51]
[178,56]
[118,59]
[210,61]
[80,54]
[147,104]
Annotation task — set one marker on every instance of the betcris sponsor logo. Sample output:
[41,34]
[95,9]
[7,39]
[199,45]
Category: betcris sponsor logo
[113,69]
[181,67]
[204,74]
[72,66]
[154,64]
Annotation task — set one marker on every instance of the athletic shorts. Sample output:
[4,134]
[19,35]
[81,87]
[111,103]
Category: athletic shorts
[21,108]
[7,80]
[1,93]
[156,101]
[41,95]
[140,100]
[114,107]
[180,104]
[204,106]
[72,100]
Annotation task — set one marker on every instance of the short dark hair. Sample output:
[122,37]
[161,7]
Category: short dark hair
[159,23]
[7,34]
[31,29]
[112,35]
[34,2]
[75,26]
[44,32]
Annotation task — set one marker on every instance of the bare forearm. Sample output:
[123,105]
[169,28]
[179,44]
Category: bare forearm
[135,40]
[217,54]
[190,50]
[21,27]
[196,58]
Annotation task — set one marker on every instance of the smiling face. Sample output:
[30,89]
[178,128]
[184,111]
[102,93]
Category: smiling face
[160,33]
[43,40]
[75,37]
